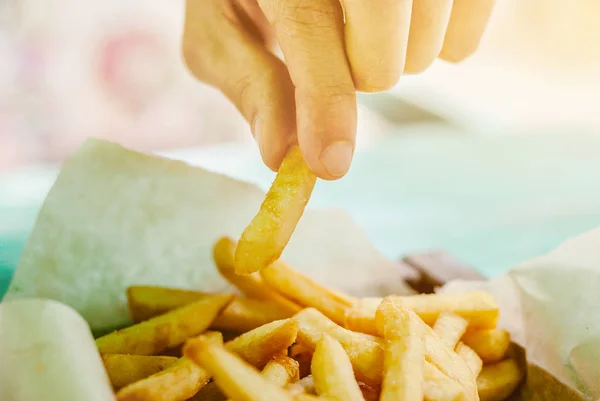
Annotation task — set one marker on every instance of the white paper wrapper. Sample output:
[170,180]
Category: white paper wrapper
[551,305]
[47,353]
[116,218]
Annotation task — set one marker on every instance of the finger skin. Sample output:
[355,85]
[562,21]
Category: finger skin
[428,25]
[376,33]
[237,63]
[311,36]
[467,24]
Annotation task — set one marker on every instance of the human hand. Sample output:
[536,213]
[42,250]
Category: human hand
[311,98]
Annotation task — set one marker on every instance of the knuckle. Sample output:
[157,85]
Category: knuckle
[307,16]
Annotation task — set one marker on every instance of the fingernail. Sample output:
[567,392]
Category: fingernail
[336,158]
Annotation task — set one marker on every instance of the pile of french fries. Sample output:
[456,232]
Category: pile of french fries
[288,338]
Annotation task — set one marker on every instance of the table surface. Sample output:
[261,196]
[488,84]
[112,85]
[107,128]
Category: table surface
[491,201]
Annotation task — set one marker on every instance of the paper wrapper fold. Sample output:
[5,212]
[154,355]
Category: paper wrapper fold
[116,217]
[47,352]
[551,305]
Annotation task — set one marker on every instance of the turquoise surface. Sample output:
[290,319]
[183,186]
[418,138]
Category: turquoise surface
[492,201]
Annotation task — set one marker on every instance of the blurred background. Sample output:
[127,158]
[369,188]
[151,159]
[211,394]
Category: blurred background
[494,159]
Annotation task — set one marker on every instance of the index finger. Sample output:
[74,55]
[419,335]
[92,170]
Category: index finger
[311,36]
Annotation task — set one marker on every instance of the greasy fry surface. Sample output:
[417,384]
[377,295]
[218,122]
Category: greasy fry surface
[165,331]
[252,285]
[490,345]
[258,346]
[404,355]
[268,233]
[306,292]
[237,379]
[281,370]
[332,372]
[478,308]
[146,301]
[179,382]
[450,328]
[496,382]
[126,369]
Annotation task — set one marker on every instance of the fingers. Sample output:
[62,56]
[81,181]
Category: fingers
[377,34]
[311,36]
[219,50]
[468,21]
[428,25]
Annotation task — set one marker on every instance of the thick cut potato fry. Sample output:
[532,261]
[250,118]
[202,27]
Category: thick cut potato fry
[332,372]
[268,233]
[258,346]
[436,352]
[490,345]
[471,358]
[439,387]
[306,292]
[177,383]
[450,328]
[404,355]
[242,314]
[235,377]
[497,382]
[304,358]
[173,328]
[366,354]
[478,308]
[126,369]
[281,370]
[253,285]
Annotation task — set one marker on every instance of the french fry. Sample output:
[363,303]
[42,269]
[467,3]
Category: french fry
[450,328]
[258,346]
[126,369]
[366,354]
[253,285]
[268,233]
[436,352]
[404,355]
[159,333]
[304,358]
[242,314]
[305,385]
[439,387]
[235,377]
[498,381]
[490,345]
[478,308]
[281,370]
[470,357]
[332,372]
[306,292]
[177,383]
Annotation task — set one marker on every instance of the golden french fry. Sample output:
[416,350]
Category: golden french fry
[126,369]
[159,333]
[281,370]
[439,387]
[253,285]
[258,346]
[490,345]
[235,377]
[242,314]
[179,382]
[478,308]
[498,381]
[332,372]
[450,328]
[404,355]
[305,385]
[306,292]
[366,354]
[267,235]
[436,352]
[471,358]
